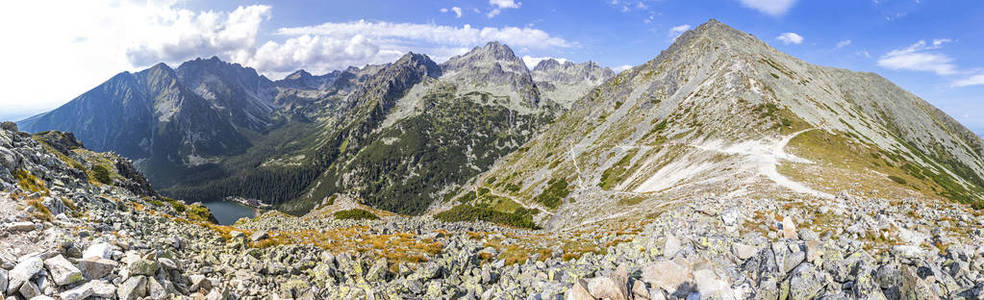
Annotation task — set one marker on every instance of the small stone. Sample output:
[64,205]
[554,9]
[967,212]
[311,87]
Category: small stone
[914,287]
[143,267]
[82,292]
[100,250]
[21,226]
[23,272]
[216,294]
[95,268]
[154,289]
[789,228]
[743,251]
[668,275]
[808,235]
[28,290]
[907,251]
[133,288]
[813,252]
[671,246]
[102,289]
[63,271]
[199,282]
[888,276]
[259,236]
[3,281]
[805,282]
[731,217]
[378,270]
[605,287]
[579,291]
[711,286]
[639,291]
[792,260]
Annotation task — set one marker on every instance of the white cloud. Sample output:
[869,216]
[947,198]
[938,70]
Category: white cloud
[68,47]
[770,7]
[329,46]
[505,3]
[183,35]
[790,38]
[533,61]
[499,5]
[843,44]
[621,68]
[456,10]
[919,57]
[678,30]
[972,80]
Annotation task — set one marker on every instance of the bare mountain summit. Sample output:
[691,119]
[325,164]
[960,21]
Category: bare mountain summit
[722,113]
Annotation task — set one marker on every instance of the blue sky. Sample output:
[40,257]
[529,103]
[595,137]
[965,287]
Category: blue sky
[931,48]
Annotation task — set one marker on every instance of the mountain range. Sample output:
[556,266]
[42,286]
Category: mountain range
[718,113]
[409,130]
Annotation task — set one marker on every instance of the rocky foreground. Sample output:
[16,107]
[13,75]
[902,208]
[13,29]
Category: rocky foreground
[67,233]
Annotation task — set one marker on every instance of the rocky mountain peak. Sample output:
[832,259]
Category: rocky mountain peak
[498,50]
[490,54]
[422,61]
[547,64]
[298,75]
[564,83]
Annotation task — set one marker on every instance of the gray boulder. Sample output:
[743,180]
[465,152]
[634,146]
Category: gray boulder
[805,282]
[133,288]
[579,291]
[95,268]
[63,271]
[23,272]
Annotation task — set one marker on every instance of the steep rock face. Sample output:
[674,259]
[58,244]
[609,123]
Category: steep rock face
[147,116]
[237,92]
[496,69]
[721,112]
[564,83]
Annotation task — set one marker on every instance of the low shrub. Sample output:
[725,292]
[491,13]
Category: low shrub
[354,214]
[522,218]
[101,174]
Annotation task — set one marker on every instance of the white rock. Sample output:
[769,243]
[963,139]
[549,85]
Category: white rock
[908,251]
[3,281]
[731,216]
[63,271]
[668,275]
[95,288]
[23,272]
[671,247]
[743,251]
[789,228]
[21,226]
[100,250]
[579,291]
[711,286]
[606,288]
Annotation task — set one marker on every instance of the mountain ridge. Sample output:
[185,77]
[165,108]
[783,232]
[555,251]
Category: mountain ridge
[721,112]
